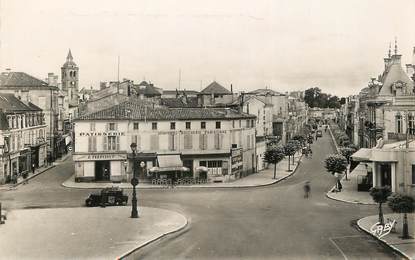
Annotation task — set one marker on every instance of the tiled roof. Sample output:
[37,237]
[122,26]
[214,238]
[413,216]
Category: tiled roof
[20,79]
[174,92]
[179,102]
[263,92]
[149,90]
[10,103]
[215,88]
[393,74]
[260,98]
[137,111]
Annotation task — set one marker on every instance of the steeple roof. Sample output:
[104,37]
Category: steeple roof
[69,60]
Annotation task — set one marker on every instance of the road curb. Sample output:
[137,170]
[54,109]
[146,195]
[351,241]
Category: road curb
[202,187]
[132,251]
[347,201]
[397,250]
[27,179]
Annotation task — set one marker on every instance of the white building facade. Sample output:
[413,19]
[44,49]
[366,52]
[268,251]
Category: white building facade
[167,140]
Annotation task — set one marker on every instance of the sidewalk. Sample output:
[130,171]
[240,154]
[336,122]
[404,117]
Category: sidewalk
[31,175]
[405,247]
[262,178]
[83,233]
[349,192]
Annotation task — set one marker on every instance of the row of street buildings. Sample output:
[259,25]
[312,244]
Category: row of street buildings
[215,134]
[36,119]
[381,121]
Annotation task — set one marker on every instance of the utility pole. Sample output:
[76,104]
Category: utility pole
[118,75]
[180,77]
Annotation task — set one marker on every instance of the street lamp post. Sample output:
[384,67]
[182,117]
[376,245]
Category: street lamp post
[134,182]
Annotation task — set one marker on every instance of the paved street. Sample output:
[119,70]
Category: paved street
[252,223]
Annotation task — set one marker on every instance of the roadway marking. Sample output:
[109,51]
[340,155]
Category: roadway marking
[338,248]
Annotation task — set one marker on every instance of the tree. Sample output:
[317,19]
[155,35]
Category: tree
[274,154]
[290,148]
[380,195]
[347,153]
[335,163]
[297,146]
[299,138]
[402,204]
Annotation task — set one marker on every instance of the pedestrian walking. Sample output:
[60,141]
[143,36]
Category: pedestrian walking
[25,180]
[310,152]
[33,168]
[339,186]
[307,190]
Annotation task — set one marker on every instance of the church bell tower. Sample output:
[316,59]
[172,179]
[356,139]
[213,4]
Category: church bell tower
[70,80]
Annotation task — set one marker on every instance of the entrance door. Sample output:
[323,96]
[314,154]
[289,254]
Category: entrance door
[102,170]
[189,164]
[385,175]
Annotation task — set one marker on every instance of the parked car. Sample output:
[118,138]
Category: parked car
[107,197]
[319,133]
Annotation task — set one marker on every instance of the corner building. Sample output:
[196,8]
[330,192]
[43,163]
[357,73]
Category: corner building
[219,140]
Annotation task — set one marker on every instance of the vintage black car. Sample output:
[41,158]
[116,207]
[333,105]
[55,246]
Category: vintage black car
[107,197]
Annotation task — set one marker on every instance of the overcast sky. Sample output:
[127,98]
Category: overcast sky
[283,44]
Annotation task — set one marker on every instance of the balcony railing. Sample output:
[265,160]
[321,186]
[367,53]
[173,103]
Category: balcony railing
[396,136]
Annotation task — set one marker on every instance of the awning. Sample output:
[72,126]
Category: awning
[363,155]
[169,160]
[169,169]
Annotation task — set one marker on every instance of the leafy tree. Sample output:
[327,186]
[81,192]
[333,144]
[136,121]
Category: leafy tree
[299,138]
[297,146]
[380,195]
[335,163]
[290,148]
[314,97]
[274,154]
[402,204]
[347,153]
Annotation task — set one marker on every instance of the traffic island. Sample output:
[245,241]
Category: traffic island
[390,234]
[79,233]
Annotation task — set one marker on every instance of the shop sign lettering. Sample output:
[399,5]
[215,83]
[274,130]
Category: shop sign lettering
[380,231]
[192,132]
[101,134]
[236,160]
[99,157]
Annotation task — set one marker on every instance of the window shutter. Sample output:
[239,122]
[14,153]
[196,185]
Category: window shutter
[201,141]
[118,143]
[216,141]
[205,137]
[220,141]
[138,139]
[105,142]
[107,127]
[116,126]
[170,142]
[89,143]
[94,144]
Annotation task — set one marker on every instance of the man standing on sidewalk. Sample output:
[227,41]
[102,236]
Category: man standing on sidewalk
[33,168]
[25,181]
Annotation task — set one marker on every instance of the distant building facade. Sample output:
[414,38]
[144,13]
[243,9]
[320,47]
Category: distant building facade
[22,137]
[32,90]
[167,140]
